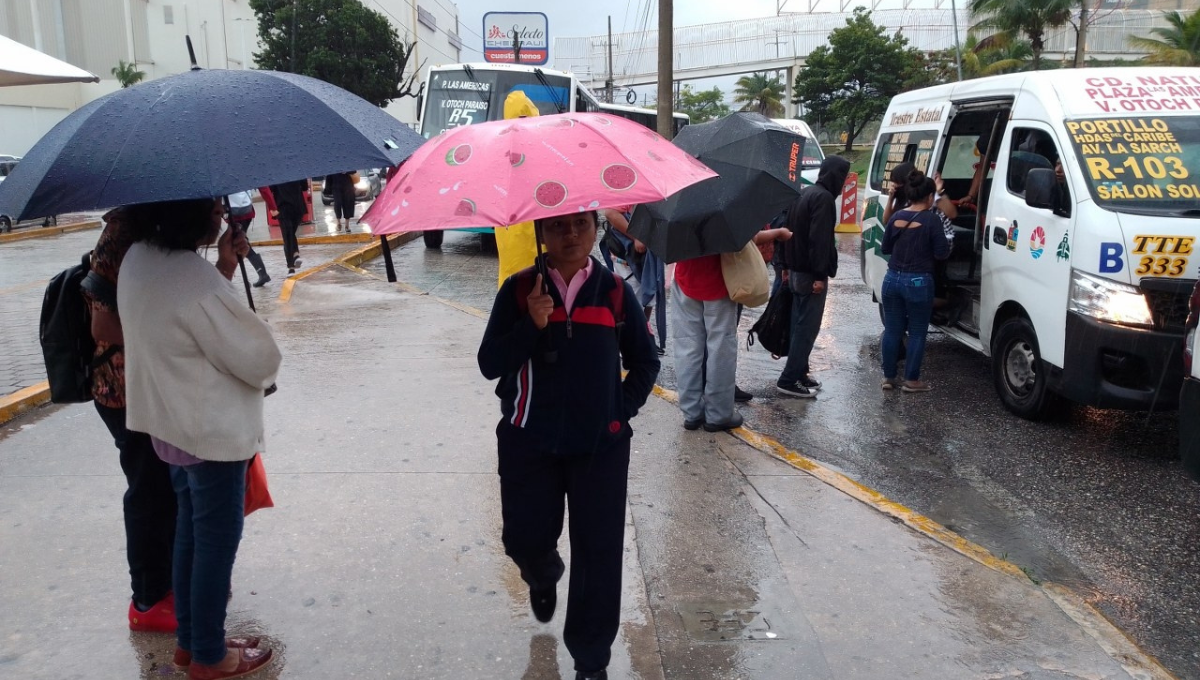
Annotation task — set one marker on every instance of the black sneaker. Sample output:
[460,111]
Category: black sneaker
[598,675]
[741,396]
[731,424]
[795,390]
[810,383]
[543,602]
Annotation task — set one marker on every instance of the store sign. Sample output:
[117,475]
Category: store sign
[505,34]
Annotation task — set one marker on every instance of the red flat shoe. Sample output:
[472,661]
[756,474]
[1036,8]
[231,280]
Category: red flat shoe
[249,660]
[158,619]
[183,658]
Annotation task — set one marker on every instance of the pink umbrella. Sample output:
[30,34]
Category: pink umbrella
[510,171]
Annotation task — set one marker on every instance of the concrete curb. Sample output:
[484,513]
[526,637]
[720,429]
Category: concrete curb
[1137,662]
[44,232]
[23,400]
[350,260]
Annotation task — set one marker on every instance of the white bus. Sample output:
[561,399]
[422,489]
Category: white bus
[462,94]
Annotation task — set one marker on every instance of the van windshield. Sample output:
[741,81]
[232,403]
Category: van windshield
[1141,164]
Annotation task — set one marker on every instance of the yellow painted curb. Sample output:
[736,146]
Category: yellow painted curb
[324,239]
[354,258]
[44,232]
[13,405]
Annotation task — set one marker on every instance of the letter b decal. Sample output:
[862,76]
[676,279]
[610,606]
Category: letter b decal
[1111,261]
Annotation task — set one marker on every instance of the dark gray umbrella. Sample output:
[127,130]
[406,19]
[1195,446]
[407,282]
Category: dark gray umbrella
[759,164]
[199,134]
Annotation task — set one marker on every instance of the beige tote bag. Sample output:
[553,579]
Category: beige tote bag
[746,276]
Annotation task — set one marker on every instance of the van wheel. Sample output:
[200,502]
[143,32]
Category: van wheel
[1019,372]
[433,238]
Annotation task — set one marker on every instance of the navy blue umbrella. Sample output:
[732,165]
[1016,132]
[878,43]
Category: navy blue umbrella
[199,134]
[758,163]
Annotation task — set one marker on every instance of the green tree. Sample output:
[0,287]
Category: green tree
[338,41]
[127,74]
[760,92]
[703,105]
[852,79]
[1032,18]
[1177,44]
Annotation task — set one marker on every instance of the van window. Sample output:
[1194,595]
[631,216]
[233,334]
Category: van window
[901,147]
[1032,149]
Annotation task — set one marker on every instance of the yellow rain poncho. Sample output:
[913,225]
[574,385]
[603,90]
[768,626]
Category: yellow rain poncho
[516,244]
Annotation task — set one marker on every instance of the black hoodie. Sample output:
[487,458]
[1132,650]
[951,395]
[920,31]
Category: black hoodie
[812,219]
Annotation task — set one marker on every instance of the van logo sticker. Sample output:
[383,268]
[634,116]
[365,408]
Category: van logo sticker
[1162,255]
[1064,247]
[1111,261]
[1037,242]
[1013,232]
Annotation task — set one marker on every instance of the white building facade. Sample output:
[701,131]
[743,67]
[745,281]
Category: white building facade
[97,34]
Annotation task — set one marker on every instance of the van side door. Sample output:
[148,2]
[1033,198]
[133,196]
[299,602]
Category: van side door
[1026,258]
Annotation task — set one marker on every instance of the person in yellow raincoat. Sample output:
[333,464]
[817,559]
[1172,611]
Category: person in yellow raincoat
[516,244]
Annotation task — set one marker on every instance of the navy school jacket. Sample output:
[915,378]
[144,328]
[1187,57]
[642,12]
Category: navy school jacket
[576,403]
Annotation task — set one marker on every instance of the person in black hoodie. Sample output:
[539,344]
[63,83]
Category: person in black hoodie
[287,202]
[557,338]
[810,257]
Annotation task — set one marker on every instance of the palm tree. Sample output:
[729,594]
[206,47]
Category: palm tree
[1178,45]
[1031,17]
[127,74]
[997,54]
[760,92]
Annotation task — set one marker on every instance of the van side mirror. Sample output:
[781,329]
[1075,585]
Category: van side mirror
[1039,188]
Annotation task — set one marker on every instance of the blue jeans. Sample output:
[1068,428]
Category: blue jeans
[211,498]
[808,308]
[907,306]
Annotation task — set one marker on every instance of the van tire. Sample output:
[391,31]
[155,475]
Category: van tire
[433,238]
[1019,373]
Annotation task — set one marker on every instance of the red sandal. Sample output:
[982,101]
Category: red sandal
[183,658]
[248,661]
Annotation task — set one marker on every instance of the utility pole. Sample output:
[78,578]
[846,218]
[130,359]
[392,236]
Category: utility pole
[666,66]
[957,44]
[777,43]
[516,49]
[608,84]
[295,14]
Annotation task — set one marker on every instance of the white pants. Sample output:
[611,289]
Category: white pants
[699,328]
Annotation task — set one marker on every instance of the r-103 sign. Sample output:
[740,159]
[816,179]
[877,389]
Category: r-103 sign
[505,34]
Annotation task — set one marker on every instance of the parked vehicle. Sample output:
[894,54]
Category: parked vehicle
[812,153]
[367,187]
[1073,265]
[1189,395]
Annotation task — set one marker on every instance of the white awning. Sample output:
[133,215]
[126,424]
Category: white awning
[21,65]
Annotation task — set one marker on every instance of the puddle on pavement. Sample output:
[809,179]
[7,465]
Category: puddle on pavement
[720,621]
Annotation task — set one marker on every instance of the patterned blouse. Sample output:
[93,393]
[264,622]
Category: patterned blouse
[108,380]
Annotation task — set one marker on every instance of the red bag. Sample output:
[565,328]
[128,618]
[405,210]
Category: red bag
[258,496]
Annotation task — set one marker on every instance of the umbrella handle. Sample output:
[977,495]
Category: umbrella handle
[551,355]
[246,283]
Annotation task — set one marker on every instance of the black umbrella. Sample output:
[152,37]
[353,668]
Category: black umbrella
[199,134]
[759,164]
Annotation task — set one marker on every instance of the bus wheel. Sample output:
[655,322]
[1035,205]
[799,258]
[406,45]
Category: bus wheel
[488,241]
[1019,372]
[433,238]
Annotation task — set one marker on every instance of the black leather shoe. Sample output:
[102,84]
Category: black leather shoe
[693,424]
[741,396]
[734,422]
[543,602]
[598,675]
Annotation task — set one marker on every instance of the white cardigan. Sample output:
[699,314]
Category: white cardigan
[196,358]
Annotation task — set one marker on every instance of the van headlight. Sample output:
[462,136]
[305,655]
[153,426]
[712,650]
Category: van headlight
[1108,300]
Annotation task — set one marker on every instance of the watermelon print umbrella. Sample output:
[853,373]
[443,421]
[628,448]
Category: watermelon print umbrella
[511,171]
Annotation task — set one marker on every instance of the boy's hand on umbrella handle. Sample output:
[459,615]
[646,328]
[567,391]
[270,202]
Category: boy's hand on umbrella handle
[540,304]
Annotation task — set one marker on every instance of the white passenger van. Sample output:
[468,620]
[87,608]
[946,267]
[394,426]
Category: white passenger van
[811,155]
[1075,282]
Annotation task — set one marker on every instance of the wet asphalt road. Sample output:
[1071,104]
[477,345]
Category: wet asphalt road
[1096,499]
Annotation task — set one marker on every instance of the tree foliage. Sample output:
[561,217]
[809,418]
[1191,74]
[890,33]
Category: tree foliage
[127,74]
[703,105]
[852,79]
[1176,45]
[1033,18]
[760,92]
[338,41]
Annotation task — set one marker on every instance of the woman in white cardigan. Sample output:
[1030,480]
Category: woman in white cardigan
[197,362]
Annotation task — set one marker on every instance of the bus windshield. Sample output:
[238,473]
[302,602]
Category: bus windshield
[1141,164]
[469,95]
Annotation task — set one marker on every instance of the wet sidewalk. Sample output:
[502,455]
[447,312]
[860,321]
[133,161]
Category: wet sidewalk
[382,558]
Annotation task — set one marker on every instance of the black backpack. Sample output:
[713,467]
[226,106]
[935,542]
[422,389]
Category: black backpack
[66,336]
[774,328]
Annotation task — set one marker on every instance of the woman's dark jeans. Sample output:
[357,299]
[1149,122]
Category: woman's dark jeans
[149,507]
[211,496]
[907,306]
